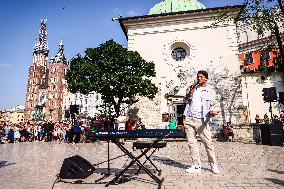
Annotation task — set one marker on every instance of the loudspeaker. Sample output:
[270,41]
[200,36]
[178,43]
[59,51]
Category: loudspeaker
[265,134]
[273,93]
[269,94]
[76,167]
[276,134]
[276,140]
[272,134]
[276,128]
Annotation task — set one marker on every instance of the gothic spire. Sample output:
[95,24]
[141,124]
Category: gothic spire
[41,43]
[60,57]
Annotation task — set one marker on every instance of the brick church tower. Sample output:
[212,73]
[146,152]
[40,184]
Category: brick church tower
[57,85]
[38,74]
[46,84]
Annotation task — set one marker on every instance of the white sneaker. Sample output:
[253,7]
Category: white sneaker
[214,168]
[193,169]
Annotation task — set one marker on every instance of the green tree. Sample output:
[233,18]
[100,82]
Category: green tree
[116,73]
[281,6]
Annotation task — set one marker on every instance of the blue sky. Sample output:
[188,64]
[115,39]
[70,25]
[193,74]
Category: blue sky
[79,23]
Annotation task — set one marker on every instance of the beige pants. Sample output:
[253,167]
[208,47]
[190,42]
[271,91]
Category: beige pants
[195,126]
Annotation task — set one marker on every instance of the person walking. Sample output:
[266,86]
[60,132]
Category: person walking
[196,118]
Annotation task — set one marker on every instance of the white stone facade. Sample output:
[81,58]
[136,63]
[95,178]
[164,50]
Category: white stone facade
[88,104]
[214,49]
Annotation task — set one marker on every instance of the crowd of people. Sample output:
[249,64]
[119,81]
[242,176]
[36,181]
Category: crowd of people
[69,131]
[266,120]
[228,129]
[78,131]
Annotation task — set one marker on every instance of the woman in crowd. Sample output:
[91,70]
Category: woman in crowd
[266,119]
[172,122]
[11,135]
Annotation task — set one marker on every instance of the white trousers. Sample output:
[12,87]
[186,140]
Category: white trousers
[195,126]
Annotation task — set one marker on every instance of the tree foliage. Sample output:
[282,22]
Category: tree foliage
[267,16]
[264,16]
[116,73]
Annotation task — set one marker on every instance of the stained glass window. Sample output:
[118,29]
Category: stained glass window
[179,54]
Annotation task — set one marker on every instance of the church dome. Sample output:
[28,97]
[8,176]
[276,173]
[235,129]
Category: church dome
[167,6]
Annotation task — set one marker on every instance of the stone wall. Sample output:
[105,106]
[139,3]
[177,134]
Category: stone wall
[229,99]
[148,110]
[245,133]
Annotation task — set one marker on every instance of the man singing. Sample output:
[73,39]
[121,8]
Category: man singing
[197,114]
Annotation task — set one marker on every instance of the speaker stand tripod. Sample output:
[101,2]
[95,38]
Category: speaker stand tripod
[106,175]
[108,166]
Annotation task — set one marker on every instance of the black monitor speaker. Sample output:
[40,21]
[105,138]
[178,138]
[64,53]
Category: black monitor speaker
[276,140]
[76,167]
[272,134]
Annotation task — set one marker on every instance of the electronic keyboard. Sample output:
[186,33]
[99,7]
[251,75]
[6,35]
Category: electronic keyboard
[140,133]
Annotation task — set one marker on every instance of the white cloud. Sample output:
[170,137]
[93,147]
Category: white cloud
[5,65]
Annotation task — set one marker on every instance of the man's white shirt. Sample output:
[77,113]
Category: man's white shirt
[201,102]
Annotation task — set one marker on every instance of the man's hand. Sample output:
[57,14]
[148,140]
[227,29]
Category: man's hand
[213,113]
[191,90]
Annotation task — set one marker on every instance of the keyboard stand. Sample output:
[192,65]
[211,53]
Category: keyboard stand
[136,159]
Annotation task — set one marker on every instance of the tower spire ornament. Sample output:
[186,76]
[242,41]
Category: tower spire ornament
[41,43]
[60,57]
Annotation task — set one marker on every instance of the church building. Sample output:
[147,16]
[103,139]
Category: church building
[47,96]
[182,37]
[46,83]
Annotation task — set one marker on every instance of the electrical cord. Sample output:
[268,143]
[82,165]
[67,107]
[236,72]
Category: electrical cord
[56,180]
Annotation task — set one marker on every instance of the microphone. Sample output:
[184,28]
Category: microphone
[194,85]
[189,93]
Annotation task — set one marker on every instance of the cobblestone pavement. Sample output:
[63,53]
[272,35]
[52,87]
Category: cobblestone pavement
[35,165]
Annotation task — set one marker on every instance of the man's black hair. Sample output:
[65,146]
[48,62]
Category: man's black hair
[203,73]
